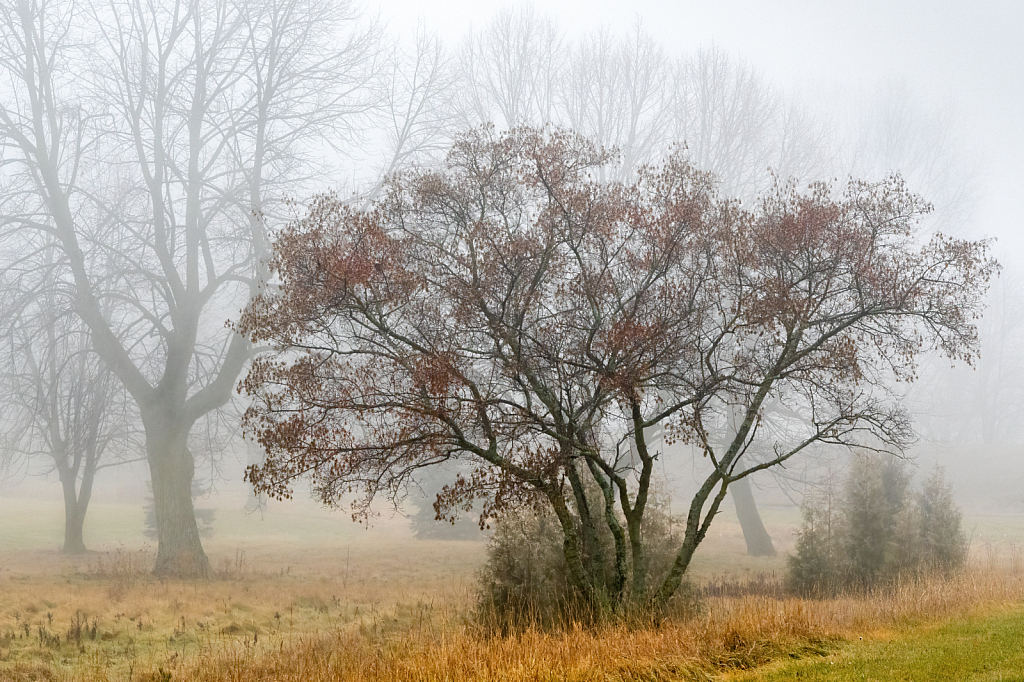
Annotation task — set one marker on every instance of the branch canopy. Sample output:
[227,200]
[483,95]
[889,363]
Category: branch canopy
[511,308]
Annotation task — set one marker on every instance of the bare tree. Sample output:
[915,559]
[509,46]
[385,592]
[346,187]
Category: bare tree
[741,127]
[890,129]
[981,405]
[618,92]
[415,117]
[149,152]
[61,404]
[628,93]
[510,72]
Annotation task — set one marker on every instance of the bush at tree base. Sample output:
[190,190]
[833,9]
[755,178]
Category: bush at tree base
[877,530]
[525,581]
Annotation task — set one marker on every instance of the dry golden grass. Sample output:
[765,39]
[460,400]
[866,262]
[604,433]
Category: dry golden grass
[282,627]
[732,633]
[310,597]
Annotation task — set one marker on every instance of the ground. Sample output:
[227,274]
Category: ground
[301,592]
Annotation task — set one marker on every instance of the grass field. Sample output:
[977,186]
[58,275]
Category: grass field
[303,594]
[988,646]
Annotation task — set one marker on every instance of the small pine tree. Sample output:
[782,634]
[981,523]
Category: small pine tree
[942,538]
[905,555]
[815,567]
[879,532]
[872,503]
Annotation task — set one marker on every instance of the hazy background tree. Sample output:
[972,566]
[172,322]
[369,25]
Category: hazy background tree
[510,72]
[619,91]
[414,120]
[981,405]
[964,413]
[741,127]
[153,153]
[894,129]
[64,410]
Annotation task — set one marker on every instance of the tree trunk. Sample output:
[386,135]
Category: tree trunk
[593,554]
[74,515]
[759,543]
[696,528]
[578,575]
[179,549]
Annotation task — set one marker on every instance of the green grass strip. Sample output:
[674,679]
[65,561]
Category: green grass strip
[983,648]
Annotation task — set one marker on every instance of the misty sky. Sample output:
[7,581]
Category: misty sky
[967,54]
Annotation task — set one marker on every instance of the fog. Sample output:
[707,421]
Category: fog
[932,90]
[965,57]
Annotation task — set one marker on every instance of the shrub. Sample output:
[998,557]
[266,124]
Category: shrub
[525,580]
[876,530]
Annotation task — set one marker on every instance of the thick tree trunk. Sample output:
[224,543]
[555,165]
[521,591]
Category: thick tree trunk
[571,549]
[179,549]
[74,514]
[759,543]
[593,555]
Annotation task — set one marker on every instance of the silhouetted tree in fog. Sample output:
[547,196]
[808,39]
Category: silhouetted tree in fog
[61,404]
[511,71]
[151,141]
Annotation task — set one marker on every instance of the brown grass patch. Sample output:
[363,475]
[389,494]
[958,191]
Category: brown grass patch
[303,595]
[732,633]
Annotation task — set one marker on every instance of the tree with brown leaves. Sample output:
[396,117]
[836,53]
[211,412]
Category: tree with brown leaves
[510,309]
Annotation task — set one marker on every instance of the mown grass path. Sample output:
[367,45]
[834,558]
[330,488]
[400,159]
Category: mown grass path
[984,648]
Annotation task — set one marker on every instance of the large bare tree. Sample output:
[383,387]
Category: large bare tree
[151,141]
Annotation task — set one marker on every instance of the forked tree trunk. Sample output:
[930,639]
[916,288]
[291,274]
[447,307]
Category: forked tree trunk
[179,549]
[759,543]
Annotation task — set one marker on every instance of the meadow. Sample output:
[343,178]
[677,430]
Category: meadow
[304,594]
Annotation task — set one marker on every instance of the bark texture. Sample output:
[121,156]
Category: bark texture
[179,549]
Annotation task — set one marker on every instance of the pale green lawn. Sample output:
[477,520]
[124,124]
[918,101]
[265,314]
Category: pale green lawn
[983,648]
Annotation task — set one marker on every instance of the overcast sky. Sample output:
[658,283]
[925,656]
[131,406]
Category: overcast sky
[967,54]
